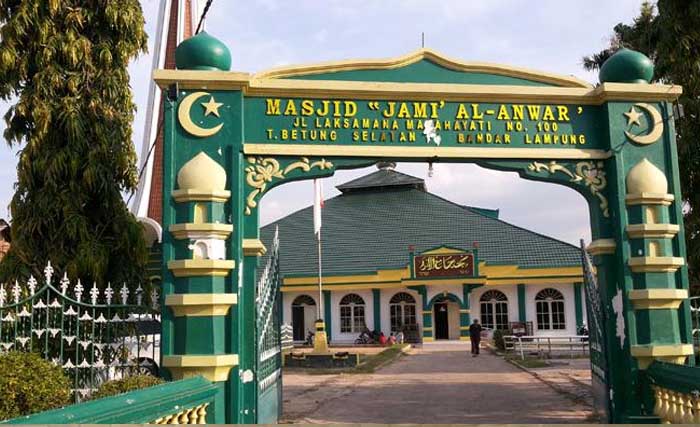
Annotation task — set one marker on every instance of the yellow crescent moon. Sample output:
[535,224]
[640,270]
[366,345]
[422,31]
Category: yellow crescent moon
[656,126]
[183,115]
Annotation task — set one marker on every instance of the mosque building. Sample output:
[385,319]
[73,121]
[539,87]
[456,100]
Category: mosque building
[397,257]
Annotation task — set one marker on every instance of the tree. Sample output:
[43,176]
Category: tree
[671,38]
[63,66]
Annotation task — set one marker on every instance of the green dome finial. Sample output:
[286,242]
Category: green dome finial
[627,66]
[202,52]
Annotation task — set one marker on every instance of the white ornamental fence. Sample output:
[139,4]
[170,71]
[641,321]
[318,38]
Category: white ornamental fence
[95,335]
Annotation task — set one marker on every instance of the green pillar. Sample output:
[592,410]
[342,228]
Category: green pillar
[426,313]
[578,304]
[522,310]
[327,313]
[376,302]
[465,312]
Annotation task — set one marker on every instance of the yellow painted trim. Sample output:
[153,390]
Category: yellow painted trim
[417,56]
[674,353]
[652,231]
[200,304]
[464,328]
[194,231]
[253,149]
[428,339]
[253,247]
[464,338]
[427,312]
[649,199]
[211,367]
[191,79]
[655,299]
[602,247]
[201,267]
[427,328]
[655,264]
[197,195]
[465,310]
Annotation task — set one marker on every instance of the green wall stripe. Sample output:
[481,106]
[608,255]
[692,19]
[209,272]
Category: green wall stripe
[578,303]
[376,301]
[522,315]
[327,313]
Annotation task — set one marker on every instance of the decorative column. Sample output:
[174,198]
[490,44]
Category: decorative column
[327,308]
[198,301]
[427,313]
[655,296]
[376,303]
[465,312]
[522,310]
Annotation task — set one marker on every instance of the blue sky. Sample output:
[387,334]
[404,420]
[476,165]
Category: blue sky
[547,35]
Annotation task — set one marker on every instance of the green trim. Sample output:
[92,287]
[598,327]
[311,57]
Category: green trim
[578,304]
[681,378]
[450,296]
[135,407]
[376,302]
[522,310]
[327,313]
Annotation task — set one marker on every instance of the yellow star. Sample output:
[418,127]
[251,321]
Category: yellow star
[212,107]
[633,117]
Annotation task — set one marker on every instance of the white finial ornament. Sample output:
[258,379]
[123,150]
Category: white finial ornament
[94,293]
[78,290]
[48,272]
[64,283]
[31,284]
[124,292]
[3,294]
[109,293]
[16,291]
[139,295]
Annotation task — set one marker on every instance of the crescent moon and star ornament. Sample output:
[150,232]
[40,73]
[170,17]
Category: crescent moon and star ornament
[655,124]
[211,107]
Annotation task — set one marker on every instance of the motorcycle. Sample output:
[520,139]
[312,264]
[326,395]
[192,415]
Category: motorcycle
[366,337]
[310,338]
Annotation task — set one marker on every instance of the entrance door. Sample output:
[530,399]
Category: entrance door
[298,322]
[441,321]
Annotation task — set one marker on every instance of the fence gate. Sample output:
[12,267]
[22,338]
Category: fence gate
[95,335]
[596,330]
[269,362]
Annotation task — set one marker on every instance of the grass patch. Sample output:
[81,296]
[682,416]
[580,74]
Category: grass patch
[368,363]
[528,362]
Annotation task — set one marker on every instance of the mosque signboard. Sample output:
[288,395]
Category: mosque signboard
[441,265]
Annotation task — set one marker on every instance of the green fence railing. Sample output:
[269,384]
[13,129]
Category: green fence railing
[179,402]
[676,392]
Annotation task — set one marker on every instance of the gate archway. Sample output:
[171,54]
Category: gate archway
[231,137]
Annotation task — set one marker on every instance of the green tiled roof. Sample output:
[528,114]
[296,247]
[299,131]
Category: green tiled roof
[364,231]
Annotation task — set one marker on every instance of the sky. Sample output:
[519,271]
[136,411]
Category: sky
[546,35]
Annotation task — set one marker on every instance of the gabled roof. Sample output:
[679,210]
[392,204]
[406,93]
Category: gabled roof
[365,231]
[382,179]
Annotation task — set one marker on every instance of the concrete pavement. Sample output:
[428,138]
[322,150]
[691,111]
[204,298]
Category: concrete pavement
[439,383]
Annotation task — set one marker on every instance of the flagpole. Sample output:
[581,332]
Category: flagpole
[320,279]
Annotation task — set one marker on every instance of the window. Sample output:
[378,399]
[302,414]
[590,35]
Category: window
[494,310]
[402,309]
[352,314]
[550,309]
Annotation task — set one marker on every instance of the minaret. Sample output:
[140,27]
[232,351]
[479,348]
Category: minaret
[177,21]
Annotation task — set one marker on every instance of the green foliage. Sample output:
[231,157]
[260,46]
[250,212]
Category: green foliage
[137,382]
[63,64]
[498,340]
[671,38]
[30,384]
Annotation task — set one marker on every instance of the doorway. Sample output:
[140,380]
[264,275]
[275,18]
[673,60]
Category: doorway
[442,328]
[298,322]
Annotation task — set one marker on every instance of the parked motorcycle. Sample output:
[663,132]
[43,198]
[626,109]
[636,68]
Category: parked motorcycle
[310,338]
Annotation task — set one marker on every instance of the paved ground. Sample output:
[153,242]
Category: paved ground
[439,383]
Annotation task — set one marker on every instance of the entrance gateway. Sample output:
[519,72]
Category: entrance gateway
[230,137]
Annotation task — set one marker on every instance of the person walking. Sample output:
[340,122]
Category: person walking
[475,336]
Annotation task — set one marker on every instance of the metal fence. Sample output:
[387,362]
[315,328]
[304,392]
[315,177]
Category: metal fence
[695,319]
[547,346]
[95,335]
